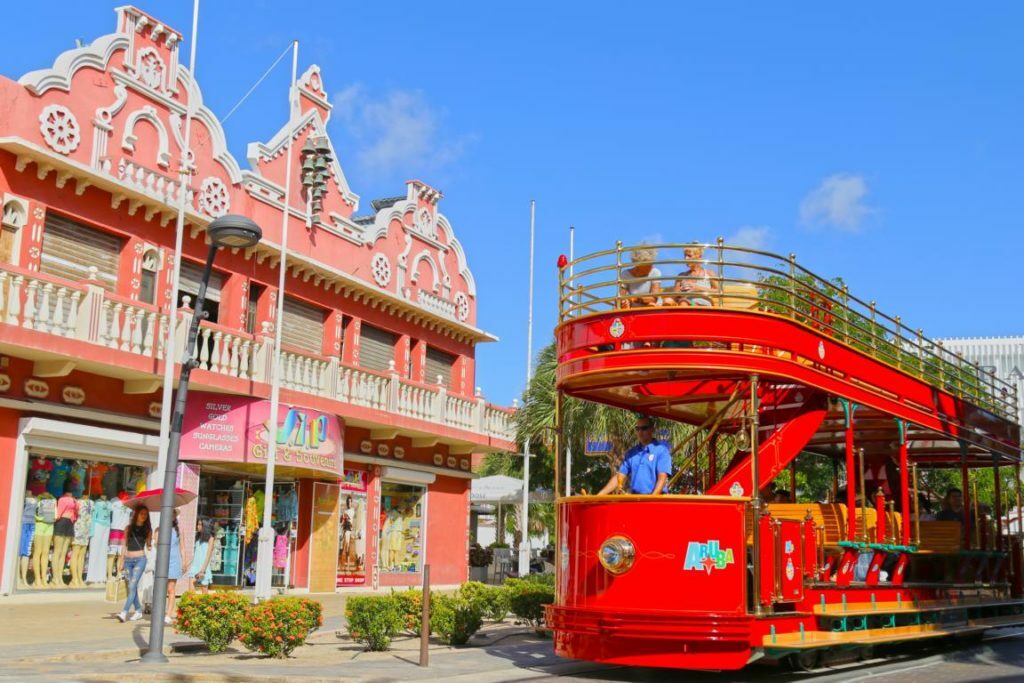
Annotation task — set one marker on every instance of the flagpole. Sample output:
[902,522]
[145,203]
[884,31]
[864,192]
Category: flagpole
[169,351]
[265,551]
[568,446]
[524,540]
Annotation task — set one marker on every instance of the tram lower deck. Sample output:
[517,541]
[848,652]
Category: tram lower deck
[772,368]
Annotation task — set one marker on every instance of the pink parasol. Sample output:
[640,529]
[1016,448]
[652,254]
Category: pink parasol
[151,499]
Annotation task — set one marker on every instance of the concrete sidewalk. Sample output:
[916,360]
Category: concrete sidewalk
[74,638]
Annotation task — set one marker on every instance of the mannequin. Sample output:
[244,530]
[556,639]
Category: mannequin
[99,539]
[119,518]
[83,525]
[28,530]
[42,539]
[38,475]
[58,477]
[63,534]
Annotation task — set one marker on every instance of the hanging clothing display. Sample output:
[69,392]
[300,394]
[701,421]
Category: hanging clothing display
[281,551]
[96,569]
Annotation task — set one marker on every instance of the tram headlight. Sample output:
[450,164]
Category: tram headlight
[617,554]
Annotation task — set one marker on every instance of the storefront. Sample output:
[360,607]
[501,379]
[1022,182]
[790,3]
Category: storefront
[227,437]
[65,516]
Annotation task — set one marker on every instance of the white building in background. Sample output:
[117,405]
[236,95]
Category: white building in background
[1003,355]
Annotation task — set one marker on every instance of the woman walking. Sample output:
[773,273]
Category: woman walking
[173,566]
[201,571]
[138,537]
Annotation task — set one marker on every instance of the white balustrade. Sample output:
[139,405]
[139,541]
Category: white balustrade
[224,352]
[436,304]
[459,413]
[499,423]
[89,314]
[149,182]
[416,401]
[303,373]
[362,388]
[37,304]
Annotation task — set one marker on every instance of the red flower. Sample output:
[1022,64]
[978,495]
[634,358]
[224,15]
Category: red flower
[278,638]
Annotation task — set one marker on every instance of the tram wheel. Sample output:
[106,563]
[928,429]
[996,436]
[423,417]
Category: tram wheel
[865,653]
[805,660]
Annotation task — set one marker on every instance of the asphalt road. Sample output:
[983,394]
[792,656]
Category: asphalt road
[999,658]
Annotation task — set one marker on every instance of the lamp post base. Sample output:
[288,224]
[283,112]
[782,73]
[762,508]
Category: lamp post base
[154,657]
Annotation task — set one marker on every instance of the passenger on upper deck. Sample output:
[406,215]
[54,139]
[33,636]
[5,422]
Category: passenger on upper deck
[692,282]
[953,507]
[640,284]
[647,465]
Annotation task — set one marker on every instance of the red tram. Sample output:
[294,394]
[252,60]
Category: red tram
[771,365]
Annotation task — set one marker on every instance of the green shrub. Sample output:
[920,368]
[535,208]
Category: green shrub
[547,580]
[527,600]
[410,602]
[276,627]
[214,618]
[374,620]
[454,618]
[493,601]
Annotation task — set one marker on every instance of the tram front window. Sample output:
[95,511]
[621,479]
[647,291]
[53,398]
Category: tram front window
[646,467]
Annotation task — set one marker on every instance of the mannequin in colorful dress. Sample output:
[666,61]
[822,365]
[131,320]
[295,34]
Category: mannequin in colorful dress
[80,541]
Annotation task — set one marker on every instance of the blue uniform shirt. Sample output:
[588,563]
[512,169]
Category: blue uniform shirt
[643,464]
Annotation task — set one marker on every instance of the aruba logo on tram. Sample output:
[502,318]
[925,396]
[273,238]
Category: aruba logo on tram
[707,556]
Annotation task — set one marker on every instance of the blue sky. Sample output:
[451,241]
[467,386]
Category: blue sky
[881,142]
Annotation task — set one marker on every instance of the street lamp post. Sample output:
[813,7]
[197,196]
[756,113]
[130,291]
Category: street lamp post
[236,232]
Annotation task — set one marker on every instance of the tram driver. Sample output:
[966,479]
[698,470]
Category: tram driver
[647,465]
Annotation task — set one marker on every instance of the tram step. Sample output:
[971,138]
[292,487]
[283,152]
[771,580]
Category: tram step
[818,639]
[907,606]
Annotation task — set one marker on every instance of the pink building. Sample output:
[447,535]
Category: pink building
[378,331]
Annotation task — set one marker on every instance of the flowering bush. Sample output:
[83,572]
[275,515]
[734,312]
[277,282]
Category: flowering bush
[454,618]
[493,601]
[214,618]
[278,626]
[374,620]
[410,602]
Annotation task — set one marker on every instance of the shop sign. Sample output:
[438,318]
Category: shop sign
[353,480]
[5,382]
[73,395]
[36,388]
[230,428]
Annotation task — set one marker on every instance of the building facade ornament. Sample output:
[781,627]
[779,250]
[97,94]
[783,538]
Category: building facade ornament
[60,129]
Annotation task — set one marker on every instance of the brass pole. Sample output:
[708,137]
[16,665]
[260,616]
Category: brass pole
[977,518]
[917,508]
[755,499]
[863,499]
[558,441]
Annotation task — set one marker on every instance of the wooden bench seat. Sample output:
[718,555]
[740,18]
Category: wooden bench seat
[940,538]
[855,609]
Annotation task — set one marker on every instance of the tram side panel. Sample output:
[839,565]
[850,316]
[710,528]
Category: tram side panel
[681,601]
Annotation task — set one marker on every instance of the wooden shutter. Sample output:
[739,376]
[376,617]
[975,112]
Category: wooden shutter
[303,326]
[439,363]
[376,348]
[70,249]
[192,274]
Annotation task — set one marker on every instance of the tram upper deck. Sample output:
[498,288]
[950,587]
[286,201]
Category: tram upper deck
[677,330]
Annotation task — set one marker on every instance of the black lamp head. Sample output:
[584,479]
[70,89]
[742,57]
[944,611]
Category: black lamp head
[234,231]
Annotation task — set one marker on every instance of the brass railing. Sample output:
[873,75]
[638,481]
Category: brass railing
[742,278]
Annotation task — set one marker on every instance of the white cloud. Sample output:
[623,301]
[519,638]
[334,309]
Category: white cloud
[838,202]
[749,236]
[398,131]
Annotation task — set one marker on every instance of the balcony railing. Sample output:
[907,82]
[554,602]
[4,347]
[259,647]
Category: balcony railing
[82,311]
[718,275]
[86,312]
